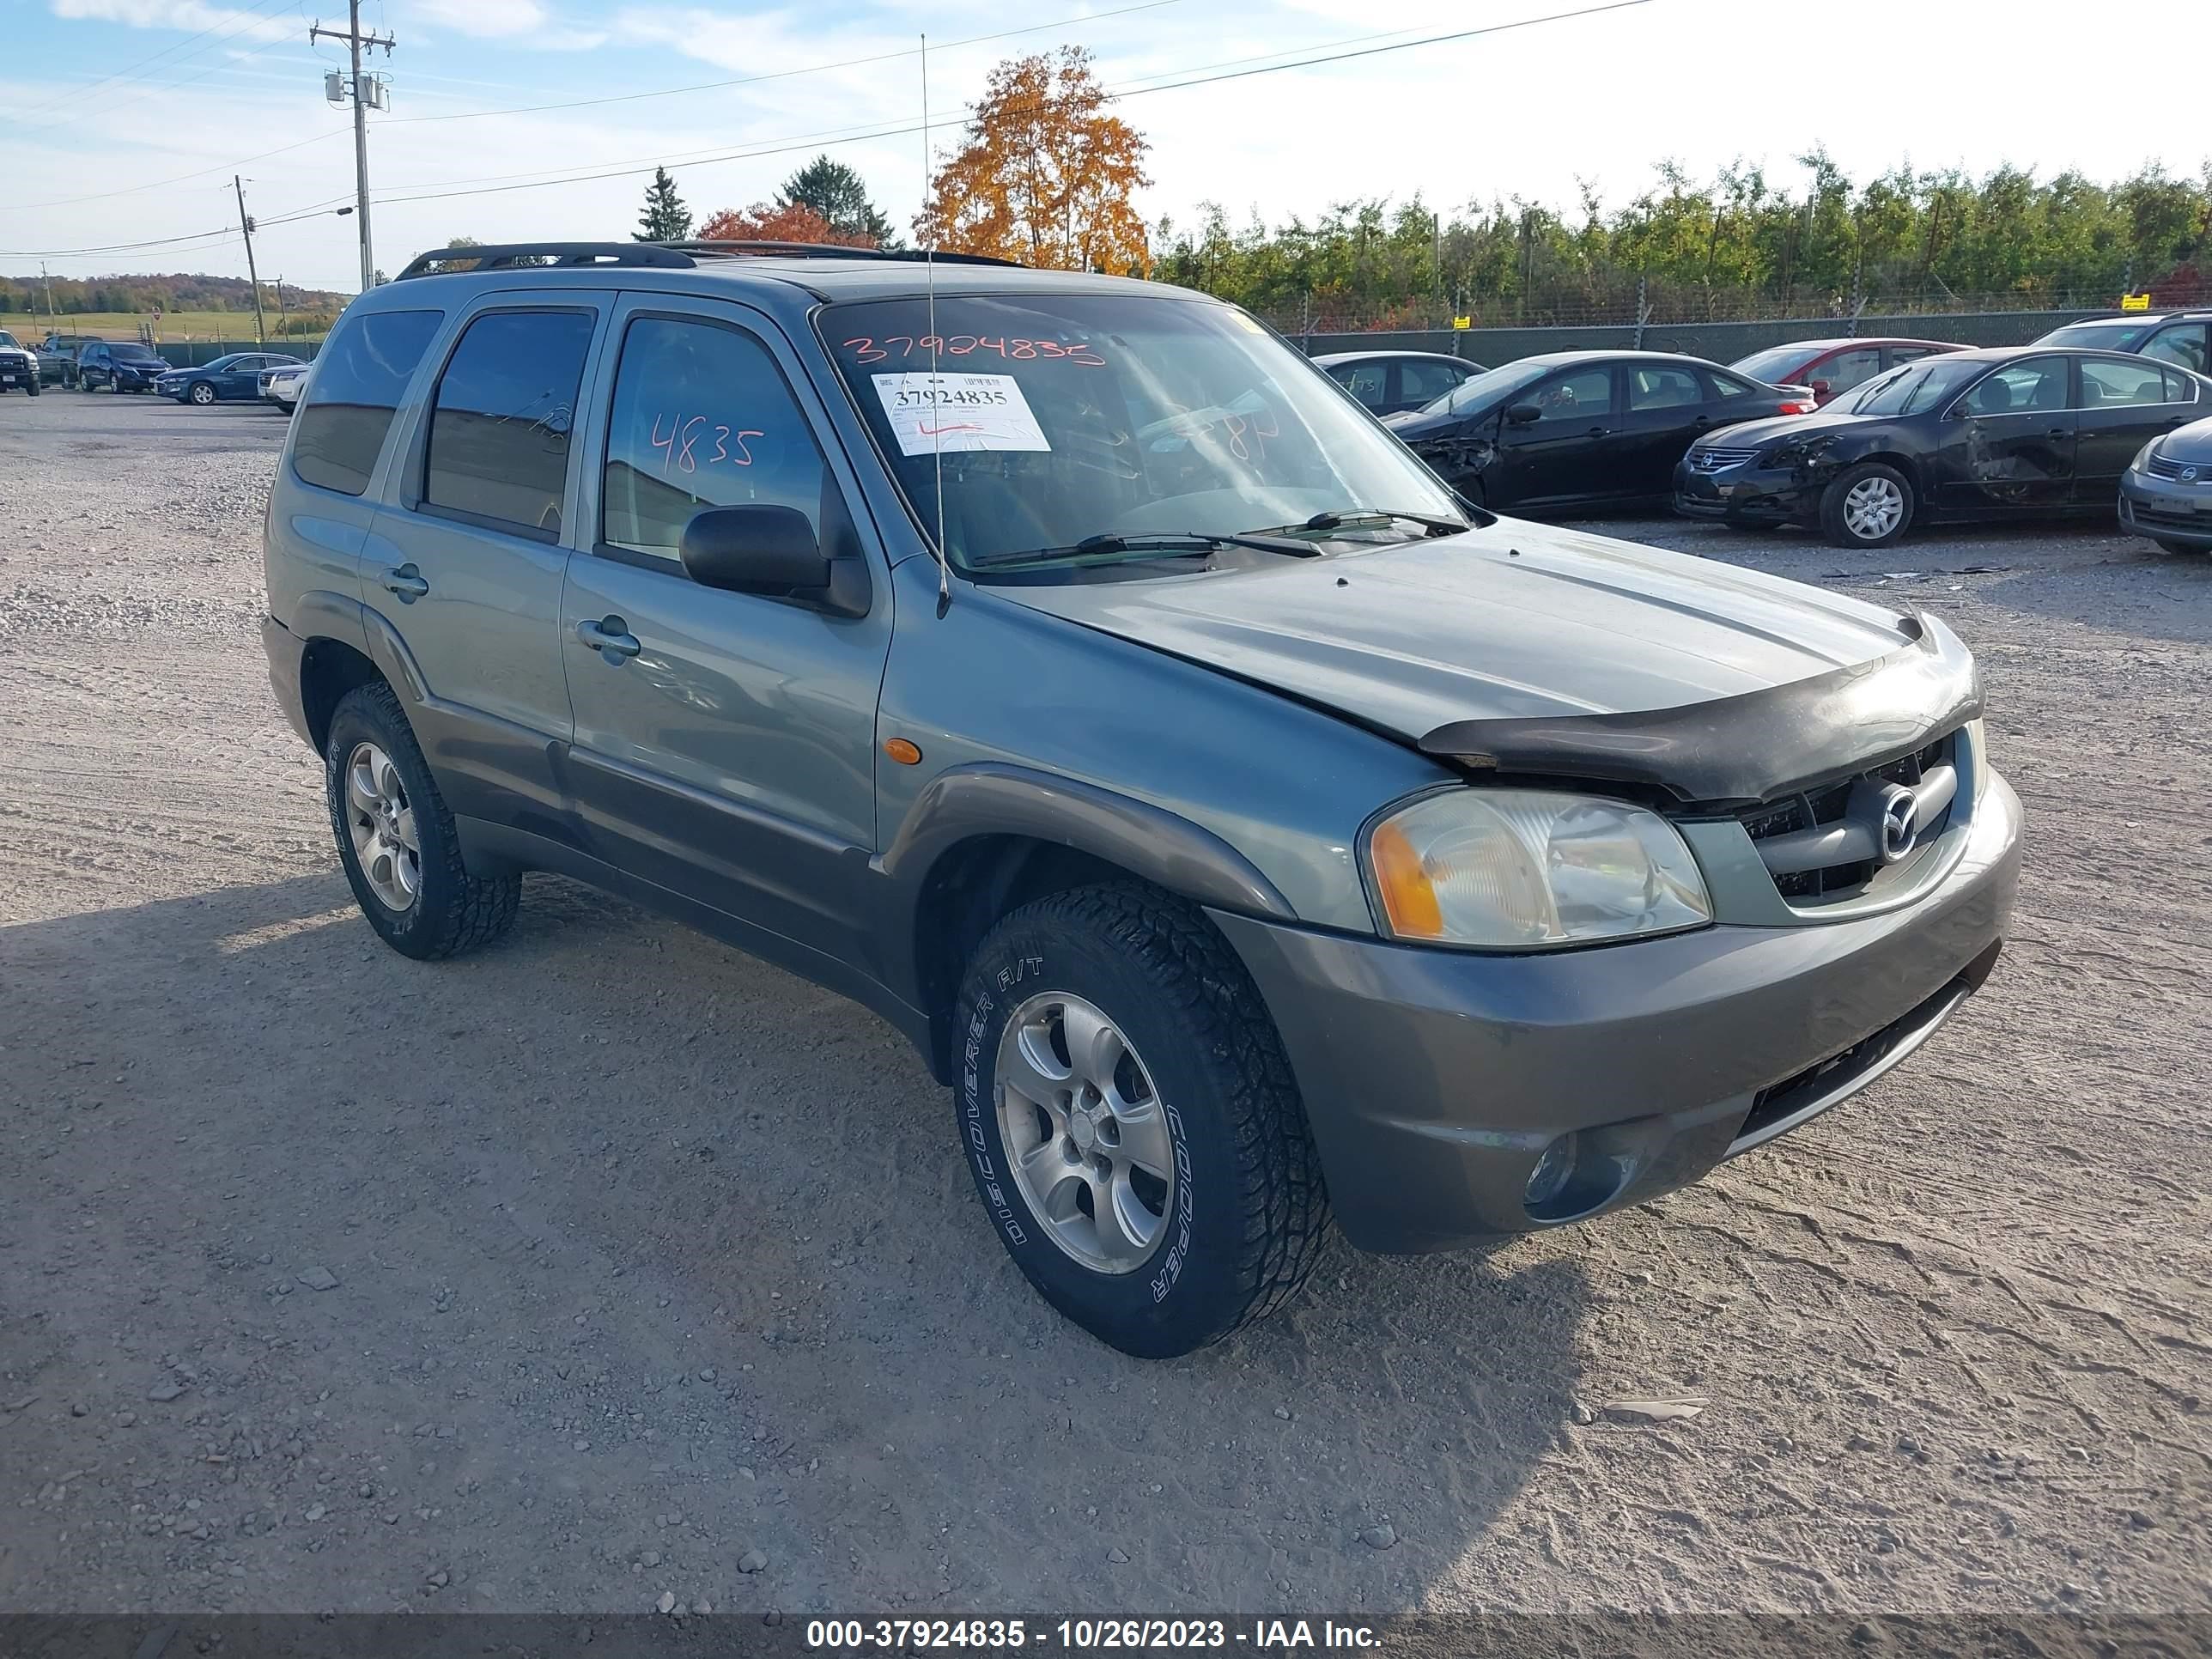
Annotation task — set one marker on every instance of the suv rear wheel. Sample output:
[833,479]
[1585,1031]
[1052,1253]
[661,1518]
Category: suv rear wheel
[396,837]
[1131,1122]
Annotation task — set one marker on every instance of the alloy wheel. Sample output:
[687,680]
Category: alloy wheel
[382,825]
[1085,1132]
[1873,509]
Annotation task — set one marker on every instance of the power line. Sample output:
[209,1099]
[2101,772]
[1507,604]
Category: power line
[780,74]
[850,135]
[127,72]
[120,78]
[159,183]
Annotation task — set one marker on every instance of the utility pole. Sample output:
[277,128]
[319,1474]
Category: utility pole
[356,41]
[246,226]
[51,321]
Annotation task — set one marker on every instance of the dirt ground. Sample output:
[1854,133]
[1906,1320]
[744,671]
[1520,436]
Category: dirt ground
[648,1271]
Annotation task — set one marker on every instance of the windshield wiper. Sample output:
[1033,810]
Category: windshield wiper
[1364,517]
[1183,542]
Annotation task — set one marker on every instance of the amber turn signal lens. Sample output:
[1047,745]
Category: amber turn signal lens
[1408,896]
[903,752]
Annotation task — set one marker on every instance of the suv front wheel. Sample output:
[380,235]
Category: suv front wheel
[396,837]
[1131,1122]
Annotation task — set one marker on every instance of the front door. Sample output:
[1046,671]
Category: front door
[724,742]
[466,559]
[2010,441]
[1667,409]
[2125,402]
[1569,451]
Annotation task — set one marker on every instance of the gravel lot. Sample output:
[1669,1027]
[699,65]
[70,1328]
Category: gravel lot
[613,1266]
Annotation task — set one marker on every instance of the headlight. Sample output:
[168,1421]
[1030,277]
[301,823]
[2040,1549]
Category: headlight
[1507,868]
[2141,456]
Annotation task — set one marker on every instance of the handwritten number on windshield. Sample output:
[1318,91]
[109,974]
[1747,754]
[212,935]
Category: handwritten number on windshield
[904,346]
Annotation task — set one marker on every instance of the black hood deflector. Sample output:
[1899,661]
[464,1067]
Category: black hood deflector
[1734,751]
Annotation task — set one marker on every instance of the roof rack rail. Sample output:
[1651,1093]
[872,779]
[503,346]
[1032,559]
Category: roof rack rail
[505,256]
[833,250]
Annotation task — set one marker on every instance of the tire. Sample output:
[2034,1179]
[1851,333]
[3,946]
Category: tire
[1868,495]
[451,912]
[1237,1216]
[201,393]
[34,389]
[114,387]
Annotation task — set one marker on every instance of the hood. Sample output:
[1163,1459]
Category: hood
[2191,445]
[1513,622]
[1754,435]
[1413,425]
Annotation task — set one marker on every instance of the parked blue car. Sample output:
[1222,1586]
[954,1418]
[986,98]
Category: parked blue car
[234,379]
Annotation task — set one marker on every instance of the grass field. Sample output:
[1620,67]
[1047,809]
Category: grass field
[176,327]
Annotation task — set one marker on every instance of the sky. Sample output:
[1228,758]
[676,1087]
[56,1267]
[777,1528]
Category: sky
[122,121]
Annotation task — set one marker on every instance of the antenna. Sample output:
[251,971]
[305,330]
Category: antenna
[936,407]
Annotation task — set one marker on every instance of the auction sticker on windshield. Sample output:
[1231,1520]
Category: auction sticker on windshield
[958,411]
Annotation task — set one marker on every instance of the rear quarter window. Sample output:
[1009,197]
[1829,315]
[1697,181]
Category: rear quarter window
[365,370]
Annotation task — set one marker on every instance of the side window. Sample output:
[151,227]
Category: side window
[1909,354]
[2114,382]
[2038,384]
[1424,383]
[702,417]
[499,428]
[1652,386]
[1726,386]
[1847,369]
[365,369]
[2180,388]
[1579,397]
[2184,345]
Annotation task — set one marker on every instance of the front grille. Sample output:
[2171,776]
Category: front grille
[2166,518]
[1713,460]
[2162,466]
[1819,808]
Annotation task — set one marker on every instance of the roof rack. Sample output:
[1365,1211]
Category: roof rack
[834,251]
[452,261]
[666,256]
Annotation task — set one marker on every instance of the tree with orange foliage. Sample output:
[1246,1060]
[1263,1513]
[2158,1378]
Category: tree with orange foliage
[767,222]
[1044,175]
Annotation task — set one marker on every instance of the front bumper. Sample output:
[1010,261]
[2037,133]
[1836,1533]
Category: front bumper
[1745,494]
[2171,511]
[1434,1080]
[287,654]
[18,372]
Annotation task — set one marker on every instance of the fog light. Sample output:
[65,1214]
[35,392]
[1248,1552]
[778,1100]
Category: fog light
[1553,1172]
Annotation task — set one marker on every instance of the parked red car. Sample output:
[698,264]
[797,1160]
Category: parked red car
[1829,368]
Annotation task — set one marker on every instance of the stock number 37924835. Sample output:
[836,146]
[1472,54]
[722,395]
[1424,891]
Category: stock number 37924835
[1077,1635]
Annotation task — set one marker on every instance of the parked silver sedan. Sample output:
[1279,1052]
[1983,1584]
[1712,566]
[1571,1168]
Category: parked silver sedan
[281,386]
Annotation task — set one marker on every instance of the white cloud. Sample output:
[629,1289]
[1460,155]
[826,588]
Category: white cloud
[487,20]
[185,16]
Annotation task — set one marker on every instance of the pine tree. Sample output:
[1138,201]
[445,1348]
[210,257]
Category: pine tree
[665,219]
[834,192]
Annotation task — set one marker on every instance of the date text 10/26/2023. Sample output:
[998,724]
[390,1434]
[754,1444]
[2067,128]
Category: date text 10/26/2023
[1089,1635]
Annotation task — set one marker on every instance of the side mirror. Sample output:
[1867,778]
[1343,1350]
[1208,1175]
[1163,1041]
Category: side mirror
[1821,388]
[1522,415]
[771,551]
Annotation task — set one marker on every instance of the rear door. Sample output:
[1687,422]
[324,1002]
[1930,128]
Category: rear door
[466,558]
[1422,381]
[2186,345]
[724,742]
[2009,439]
[2125,402]
[1572,451]
[1669,405]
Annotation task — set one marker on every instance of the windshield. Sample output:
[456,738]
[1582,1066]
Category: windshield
[7,339]
[1483,387]
[133,353]
[1777,363]
[2114,336]
[1061,417]
[1916,388]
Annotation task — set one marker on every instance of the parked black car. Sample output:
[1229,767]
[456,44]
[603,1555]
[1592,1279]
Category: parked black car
[2166,494]
[1580,428]
[1390,382]
[119,366]
[2182,337]
[235,378]
[1997,433]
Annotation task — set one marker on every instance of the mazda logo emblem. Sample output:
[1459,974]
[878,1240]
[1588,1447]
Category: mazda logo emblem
[1900,825]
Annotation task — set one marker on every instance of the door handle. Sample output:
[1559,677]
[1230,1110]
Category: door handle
[407,582]
[612,638]
[1596,432]
[2057,433]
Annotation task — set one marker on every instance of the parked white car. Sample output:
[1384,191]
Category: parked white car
[282,386]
